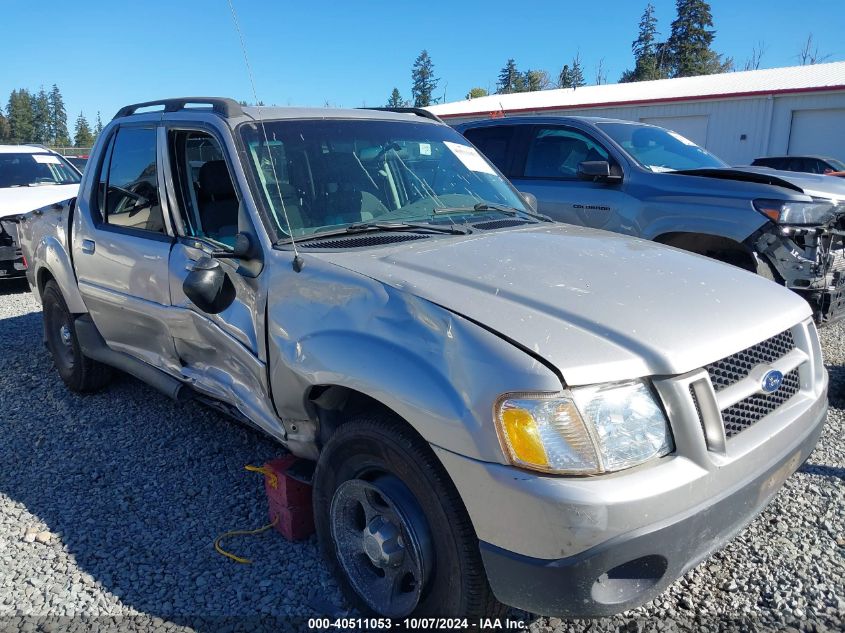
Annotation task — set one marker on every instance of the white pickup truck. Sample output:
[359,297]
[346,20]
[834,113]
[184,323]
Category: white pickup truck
[503,409]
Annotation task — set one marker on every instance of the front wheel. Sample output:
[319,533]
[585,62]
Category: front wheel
[393,528]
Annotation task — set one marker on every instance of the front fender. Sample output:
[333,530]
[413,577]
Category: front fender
[435,369]
[735,220]
[50,256]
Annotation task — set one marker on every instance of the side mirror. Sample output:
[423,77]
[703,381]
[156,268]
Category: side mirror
[247,250]
[530,200]
[208,286]
[244,247]
[597,171]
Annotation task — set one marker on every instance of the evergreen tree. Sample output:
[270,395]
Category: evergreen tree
[396,100]
[40,118]
[510,79]
[690,39]
[423,79]
[577,72]
[82,136]
[534,80]
[648,52]
[20,116]
[58,118]
[4,128]
[564,80]
[475,93]
[98,127]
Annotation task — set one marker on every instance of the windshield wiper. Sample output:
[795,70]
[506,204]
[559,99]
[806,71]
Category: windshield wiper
[363,227]
[452,229]
[483,207]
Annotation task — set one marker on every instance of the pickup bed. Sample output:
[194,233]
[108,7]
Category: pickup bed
[503,410]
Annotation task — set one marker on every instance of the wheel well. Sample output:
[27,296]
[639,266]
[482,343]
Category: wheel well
[722,248]
[44,276]
[335,404]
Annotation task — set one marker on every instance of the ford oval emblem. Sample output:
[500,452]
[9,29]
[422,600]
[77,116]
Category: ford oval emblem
[772,381]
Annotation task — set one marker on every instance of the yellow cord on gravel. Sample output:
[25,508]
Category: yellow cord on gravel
[238,559]
[273,480]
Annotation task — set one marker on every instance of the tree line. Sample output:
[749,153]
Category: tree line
[686,52]
[41,117]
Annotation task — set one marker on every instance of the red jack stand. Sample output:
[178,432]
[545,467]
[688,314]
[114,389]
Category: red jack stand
[287,482]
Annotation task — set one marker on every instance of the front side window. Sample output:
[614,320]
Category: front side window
[131,191]
[37,169]
[207,198]
[327,174]
[557,152]
[833,165]
[660,150]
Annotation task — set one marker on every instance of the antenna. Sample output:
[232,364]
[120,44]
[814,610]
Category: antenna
[297,260]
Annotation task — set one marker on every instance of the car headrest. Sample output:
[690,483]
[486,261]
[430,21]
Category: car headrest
[214,180]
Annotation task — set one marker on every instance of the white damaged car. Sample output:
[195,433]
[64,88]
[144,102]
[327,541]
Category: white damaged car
[31,177]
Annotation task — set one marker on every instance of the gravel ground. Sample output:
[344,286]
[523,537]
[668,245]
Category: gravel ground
[110,504]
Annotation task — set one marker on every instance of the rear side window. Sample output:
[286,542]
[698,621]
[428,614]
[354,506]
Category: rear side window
[131,197]
[495,143]
[557,152]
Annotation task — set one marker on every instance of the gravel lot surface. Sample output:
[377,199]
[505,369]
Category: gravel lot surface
[110,504]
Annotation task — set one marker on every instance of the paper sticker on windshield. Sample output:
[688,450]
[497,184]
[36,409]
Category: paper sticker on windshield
[425,149]
[471,159]
[683,140]
[47,159]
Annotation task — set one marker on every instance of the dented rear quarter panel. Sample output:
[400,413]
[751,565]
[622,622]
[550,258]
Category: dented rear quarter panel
[44,242]
[437,370]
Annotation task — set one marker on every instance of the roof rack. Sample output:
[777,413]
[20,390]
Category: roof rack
[418,111]
[220,105]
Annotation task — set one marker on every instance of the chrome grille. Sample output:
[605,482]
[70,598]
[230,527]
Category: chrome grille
[752,409]
[734,368]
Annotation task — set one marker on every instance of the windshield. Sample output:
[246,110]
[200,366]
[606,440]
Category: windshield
[660,150]
[836,165]
[335,173]
[34,170]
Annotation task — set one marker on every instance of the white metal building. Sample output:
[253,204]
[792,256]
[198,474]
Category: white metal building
[737,116]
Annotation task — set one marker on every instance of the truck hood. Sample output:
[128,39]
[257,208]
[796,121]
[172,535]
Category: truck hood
[814,185]
[15,200]
[598,306]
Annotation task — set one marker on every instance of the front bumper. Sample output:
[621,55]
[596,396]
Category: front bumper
[592,546]
[810,261]
[633,568]
[12,262]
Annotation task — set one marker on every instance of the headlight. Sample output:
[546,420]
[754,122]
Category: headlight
[786,212]
[590,430]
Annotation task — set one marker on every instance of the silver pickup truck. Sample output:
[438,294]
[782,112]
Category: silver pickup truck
[503,410]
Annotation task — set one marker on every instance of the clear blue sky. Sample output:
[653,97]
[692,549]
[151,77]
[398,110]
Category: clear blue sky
[104,54]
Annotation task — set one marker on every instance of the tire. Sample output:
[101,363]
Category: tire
[405,486]
[80,373]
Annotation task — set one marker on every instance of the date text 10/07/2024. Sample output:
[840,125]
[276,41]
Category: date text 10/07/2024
[417,624]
